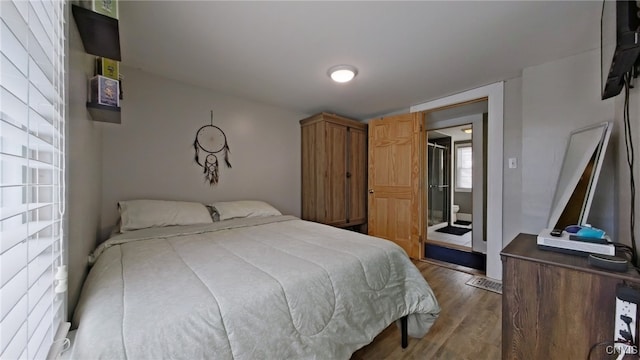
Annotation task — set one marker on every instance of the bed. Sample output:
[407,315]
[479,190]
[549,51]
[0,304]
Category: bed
[258,287]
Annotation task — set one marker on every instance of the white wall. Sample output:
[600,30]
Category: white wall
[151,154]
[557,98]
[84,184]
[623,190]
[512,178]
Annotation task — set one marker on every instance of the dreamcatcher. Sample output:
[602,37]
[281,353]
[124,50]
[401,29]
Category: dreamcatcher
[211,140]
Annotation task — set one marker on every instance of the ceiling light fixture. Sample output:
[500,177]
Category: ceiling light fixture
[467,130]
[342,73]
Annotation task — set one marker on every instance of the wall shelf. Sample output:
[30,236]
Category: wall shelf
[100,34]
[104,113]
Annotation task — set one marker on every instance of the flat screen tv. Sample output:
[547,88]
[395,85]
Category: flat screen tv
[619,44]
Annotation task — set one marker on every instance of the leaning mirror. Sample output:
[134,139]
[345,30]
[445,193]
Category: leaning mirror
[578,176]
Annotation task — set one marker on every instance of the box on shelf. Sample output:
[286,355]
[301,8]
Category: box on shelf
[107,67]
[105,91]
[104,7]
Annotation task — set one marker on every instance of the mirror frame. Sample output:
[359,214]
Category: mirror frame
[563,195]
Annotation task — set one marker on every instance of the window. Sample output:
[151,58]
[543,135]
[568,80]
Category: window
[32,158]
[463,166]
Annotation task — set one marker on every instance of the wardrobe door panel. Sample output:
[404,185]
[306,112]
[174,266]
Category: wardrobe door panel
[357,176]
[312,179]
[336,174]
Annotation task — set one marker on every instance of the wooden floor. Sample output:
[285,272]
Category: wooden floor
[469,326]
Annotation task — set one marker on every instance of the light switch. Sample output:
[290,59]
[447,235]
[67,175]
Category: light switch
[513,163]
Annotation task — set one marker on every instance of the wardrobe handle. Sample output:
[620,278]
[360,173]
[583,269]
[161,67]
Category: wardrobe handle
[370,191]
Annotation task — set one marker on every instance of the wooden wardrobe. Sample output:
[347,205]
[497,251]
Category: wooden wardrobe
[334,170]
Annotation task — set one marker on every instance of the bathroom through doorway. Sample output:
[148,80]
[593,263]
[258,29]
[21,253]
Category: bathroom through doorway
[455,163]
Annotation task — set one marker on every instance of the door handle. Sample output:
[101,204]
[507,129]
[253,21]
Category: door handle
[370,191]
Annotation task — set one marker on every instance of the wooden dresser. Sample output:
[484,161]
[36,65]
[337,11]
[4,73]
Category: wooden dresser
[334,170]
[555,306]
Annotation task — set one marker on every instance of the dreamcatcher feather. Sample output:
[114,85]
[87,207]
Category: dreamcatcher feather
[211,140]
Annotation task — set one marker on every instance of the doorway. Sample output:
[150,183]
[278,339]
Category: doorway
[455,174]
[494,93]
[450,187]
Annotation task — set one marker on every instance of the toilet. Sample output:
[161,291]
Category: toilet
[455,209]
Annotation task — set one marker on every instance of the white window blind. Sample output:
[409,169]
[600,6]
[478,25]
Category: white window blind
[463,167]
[32,198]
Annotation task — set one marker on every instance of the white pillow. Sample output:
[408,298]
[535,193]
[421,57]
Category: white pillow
[141,214]
[244,209]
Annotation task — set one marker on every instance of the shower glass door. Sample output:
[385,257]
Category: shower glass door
[439,192]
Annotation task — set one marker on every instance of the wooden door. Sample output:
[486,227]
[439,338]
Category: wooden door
[357,176]
[394,180]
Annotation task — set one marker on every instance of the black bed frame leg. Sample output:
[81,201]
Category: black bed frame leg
[403,329]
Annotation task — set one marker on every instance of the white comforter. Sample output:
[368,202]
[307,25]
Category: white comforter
[260,288]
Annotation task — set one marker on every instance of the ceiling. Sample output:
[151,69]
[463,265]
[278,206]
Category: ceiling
[407,53]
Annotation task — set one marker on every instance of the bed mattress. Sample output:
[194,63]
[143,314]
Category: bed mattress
[275,287]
